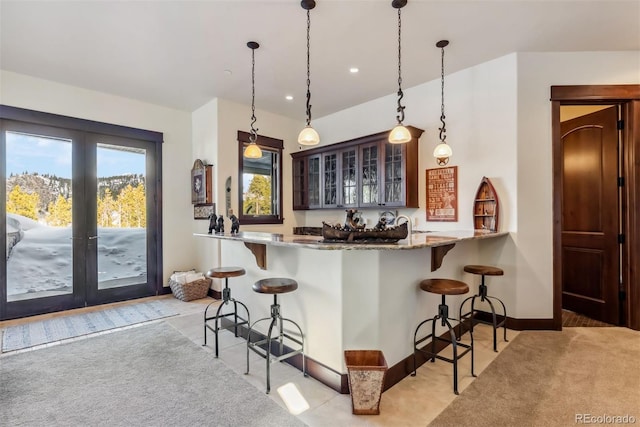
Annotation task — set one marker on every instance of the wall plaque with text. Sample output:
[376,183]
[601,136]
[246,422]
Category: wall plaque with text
[442,194]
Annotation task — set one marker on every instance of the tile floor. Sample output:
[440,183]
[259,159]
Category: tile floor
[415,401]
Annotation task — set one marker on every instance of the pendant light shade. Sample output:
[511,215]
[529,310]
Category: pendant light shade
[253,151]
[442,152]
[399,134]
[308,135]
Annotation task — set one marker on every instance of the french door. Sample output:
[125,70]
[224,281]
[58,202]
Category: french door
[79,217]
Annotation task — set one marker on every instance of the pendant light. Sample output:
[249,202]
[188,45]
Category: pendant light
[399,134]
[308,135]
[253,151]
[442,151]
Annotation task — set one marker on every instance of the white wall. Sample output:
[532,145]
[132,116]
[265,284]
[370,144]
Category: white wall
[42,95]
[480,109]
[215,139]
[498,125]
[481,123]
[537,72]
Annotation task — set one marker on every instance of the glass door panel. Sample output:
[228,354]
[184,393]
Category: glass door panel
[393,175]
[121,216]
[349,182]
[39,250]
[314,181]
[330,181]
[369,175]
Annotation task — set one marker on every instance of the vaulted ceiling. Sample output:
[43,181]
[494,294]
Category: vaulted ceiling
[181,54]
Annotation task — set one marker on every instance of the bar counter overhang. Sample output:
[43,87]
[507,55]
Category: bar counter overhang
[353,296]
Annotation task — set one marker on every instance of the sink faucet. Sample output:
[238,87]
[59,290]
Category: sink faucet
[408,225]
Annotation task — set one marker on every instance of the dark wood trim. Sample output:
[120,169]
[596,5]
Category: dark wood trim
[262,140]
[556,161]
[86,133]
[56,120]
[520,324]
[600,93]
[324,374]
[437,255]
[259,251]
[396,373]
[273,144]
[631,255]
[628,96]
[374,138]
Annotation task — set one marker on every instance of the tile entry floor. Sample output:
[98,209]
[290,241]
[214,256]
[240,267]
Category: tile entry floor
[415,401]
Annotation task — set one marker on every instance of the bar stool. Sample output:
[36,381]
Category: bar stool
[485,270]
[225,273]
[275,286]
[443,287]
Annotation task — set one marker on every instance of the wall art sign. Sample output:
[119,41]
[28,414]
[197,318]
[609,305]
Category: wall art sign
[442,194]
[201,183]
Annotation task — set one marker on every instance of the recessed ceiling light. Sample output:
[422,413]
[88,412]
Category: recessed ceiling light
[353,70]
[289,98]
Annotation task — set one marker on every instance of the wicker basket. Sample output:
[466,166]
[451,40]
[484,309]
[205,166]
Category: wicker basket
[190,291]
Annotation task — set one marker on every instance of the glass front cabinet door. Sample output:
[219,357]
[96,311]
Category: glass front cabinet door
[366,172]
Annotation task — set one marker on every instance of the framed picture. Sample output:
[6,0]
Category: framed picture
[201,185]
[442,194]
[203,211]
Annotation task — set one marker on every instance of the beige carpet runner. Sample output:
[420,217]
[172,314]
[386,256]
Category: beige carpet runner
[550,378]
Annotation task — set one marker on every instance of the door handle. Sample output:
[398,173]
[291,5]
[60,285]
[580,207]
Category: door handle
[93,237]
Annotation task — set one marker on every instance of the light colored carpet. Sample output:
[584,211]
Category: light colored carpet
[149,375]
[548,378]
[61,328]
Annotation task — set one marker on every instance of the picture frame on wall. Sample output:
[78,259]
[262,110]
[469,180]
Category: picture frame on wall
[201,183]
[442,194]
[203,211]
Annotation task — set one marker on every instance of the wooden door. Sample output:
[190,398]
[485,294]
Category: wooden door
[590,226]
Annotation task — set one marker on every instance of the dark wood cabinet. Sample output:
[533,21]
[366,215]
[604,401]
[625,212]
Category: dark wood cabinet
[366,172]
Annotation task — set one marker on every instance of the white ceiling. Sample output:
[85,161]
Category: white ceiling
[175,53]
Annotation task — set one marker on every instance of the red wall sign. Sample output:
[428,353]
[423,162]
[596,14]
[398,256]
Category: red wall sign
[442,194]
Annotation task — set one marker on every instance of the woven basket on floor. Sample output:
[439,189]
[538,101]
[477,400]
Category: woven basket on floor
[190,291]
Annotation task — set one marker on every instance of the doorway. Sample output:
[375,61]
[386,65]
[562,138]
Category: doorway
[591,205]
[596,198]
[79,218]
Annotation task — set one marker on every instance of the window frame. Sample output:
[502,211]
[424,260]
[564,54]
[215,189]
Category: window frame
[273,145]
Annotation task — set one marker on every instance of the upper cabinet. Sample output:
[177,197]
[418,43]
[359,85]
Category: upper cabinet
[362,172]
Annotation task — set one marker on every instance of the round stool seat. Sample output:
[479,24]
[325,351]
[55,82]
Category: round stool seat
[275,285]
[444,286]
[225,272]
[485,270]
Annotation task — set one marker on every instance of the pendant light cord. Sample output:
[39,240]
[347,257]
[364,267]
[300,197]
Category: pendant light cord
[308,68]
[443,129]
[400,108]
[254,132]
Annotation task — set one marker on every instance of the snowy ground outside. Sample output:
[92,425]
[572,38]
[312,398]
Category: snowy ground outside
[41,261]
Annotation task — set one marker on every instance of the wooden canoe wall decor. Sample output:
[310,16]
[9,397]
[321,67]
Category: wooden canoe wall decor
[486,207]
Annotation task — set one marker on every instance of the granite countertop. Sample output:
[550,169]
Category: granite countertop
[416,240]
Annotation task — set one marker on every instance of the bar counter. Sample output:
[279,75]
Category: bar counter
[353,296]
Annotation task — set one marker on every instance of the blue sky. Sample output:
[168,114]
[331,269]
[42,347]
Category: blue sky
[29,153]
